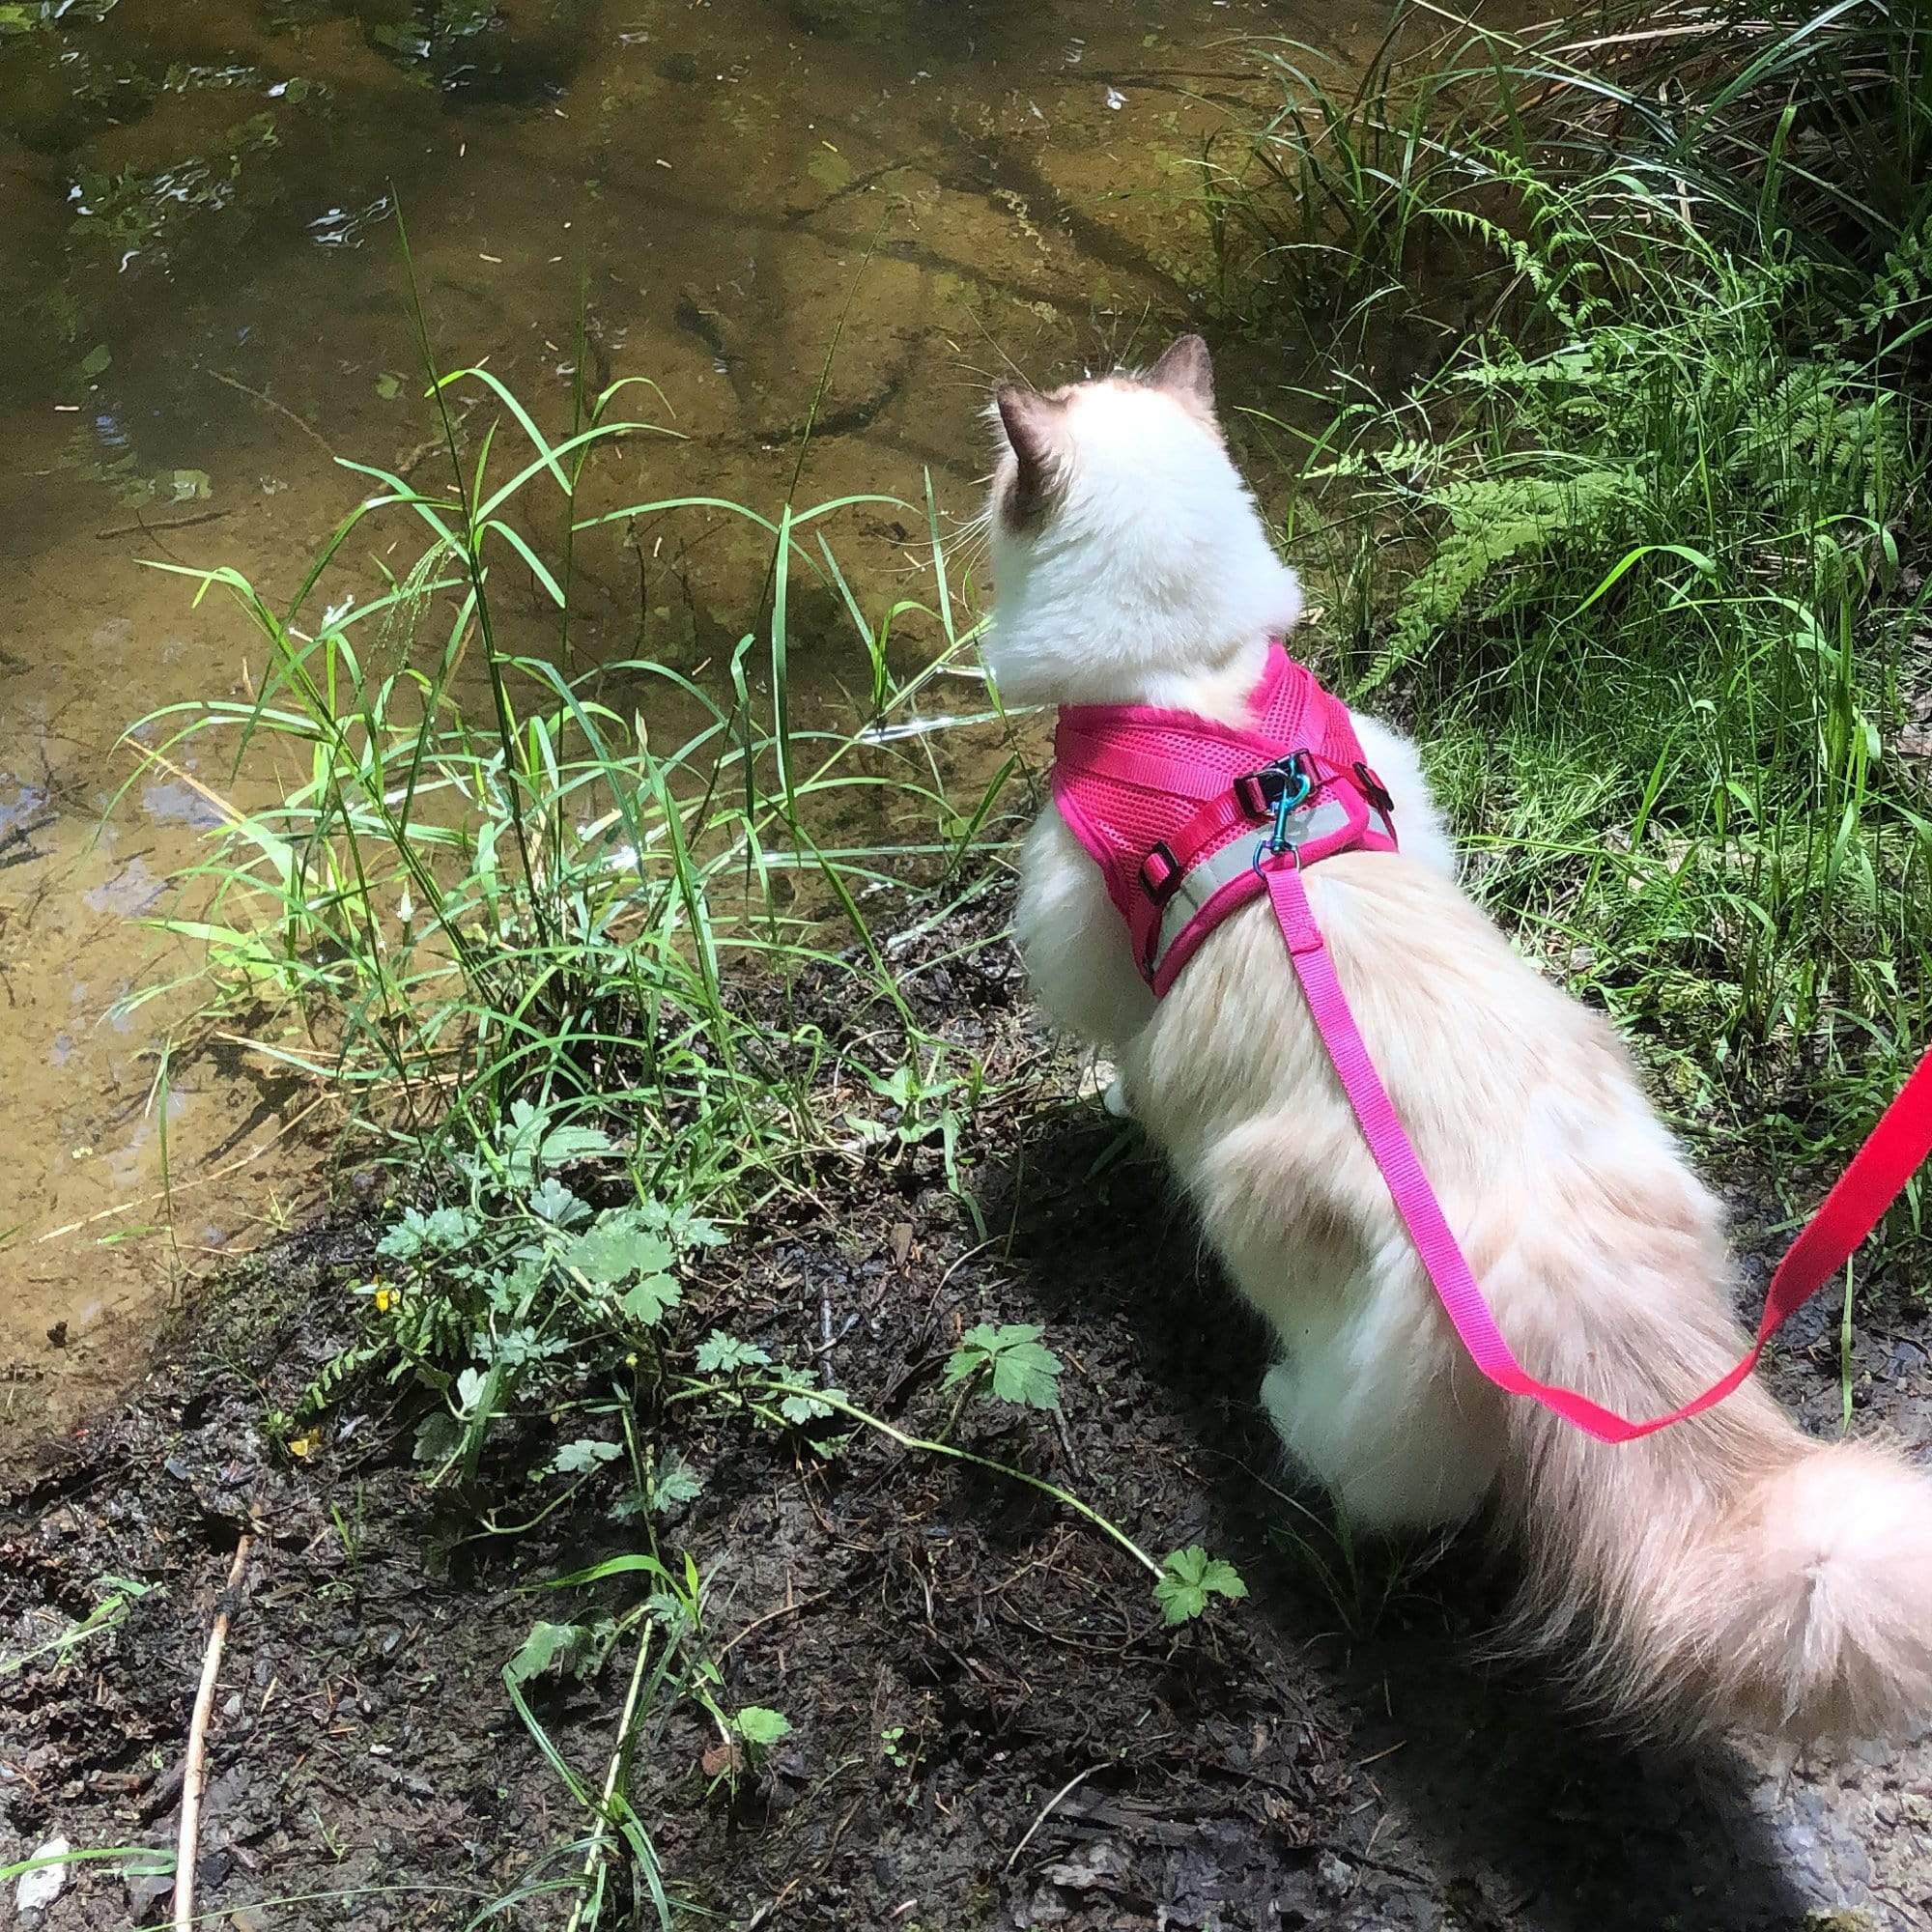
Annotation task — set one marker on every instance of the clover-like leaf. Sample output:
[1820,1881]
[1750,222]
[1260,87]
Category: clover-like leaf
[443,1230]
[1015,1365]
[450,1229]
[719,1353]
[581,1455]
[804,1408]
[1188,1578]
[673,1484]
[616,1247]
[681,1227]
[646,1300]
[439,1435]
[552,1202]
[757,1725]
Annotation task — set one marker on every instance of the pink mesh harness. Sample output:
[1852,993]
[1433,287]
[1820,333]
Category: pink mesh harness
[1188,819]
[1174,807]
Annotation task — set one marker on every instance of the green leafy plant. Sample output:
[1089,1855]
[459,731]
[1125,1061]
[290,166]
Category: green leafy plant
[576,1649]
[928,1102]
[759,1727]
[1634,550]
[1189,1578]
[1010,1363]
[508,1300]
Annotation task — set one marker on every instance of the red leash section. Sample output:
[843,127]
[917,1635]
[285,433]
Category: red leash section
[1877,1174]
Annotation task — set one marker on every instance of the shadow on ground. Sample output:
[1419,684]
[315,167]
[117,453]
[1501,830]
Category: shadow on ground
[1514,1808]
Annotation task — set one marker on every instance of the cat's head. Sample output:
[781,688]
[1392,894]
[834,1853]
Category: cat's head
[1130,561]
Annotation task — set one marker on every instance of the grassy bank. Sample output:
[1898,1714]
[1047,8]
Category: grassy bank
[1639,544]
[603,976]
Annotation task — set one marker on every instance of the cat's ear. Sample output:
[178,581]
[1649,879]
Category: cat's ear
[1031,421]
[1034,431]
[1186,371]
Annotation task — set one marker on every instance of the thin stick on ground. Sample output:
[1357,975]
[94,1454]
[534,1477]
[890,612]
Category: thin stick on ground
[1052,1804]
[194,1773]
[140,526]
[600,1837]
[268,401]
[790,1610]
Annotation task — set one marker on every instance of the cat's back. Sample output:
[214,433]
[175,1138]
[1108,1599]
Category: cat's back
[1488,1064]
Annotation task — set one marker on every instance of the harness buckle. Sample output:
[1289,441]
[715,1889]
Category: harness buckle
[1160,872]
[1276,788]
[1376,793]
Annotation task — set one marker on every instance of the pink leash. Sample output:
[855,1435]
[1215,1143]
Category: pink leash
[1868,1186]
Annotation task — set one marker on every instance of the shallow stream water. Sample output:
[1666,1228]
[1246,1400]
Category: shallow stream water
[207,306]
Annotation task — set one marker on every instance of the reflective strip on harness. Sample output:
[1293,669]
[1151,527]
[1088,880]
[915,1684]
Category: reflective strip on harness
[1198,884]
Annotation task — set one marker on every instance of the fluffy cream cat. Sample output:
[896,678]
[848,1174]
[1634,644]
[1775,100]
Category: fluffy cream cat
[1726,1570]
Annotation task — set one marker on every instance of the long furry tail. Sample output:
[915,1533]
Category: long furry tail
[1728,1571]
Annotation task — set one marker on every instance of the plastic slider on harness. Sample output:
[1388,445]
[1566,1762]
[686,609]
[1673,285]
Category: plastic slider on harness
[1276,789]
[1161,873]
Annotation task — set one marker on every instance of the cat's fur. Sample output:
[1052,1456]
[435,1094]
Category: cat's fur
[1726,1570]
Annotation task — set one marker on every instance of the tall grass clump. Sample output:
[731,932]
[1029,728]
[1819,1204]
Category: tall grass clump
[1638,533]
[513,921]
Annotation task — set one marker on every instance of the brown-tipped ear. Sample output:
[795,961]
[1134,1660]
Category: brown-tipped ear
[1032,422]
[1185,370]
[1028,418]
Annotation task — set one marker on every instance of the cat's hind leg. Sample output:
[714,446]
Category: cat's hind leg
[1397,1442]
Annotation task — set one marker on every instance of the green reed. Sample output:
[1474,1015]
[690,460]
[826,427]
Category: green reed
[1637,535]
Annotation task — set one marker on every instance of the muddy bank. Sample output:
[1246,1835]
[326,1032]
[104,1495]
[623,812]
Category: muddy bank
[990,1726]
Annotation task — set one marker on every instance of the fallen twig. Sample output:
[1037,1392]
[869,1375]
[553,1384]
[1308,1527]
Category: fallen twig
[1047,1810]
[790,1610]
[619,1757]
[268,401]
[146,529]
[194,1770]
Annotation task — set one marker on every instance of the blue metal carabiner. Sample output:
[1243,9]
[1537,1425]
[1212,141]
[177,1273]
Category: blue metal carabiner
[1284,807]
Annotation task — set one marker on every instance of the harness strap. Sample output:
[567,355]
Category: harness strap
[1135,768]
[1325,817]
[1850,1211]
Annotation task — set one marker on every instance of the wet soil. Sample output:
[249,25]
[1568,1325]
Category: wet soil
[991,1726]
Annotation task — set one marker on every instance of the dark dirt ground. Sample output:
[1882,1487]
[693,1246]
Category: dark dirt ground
[952,1651]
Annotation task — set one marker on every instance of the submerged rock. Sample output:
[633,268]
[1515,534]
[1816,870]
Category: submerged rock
[514,51]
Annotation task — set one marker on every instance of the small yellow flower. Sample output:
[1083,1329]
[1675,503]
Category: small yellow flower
[305,1445]
[386,1299]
